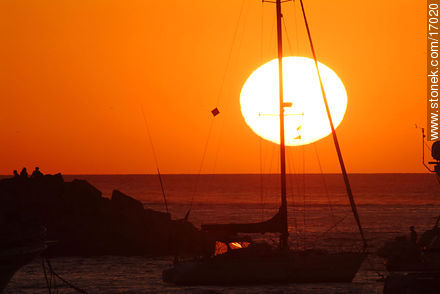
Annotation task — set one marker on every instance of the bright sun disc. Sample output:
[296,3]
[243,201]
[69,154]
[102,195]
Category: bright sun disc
[306,120]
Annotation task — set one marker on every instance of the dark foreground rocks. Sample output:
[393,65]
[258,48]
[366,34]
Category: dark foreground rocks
[82,222]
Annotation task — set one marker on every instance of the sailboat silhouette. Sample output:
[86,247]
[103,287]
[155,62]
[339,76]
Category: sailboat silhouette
[259,263]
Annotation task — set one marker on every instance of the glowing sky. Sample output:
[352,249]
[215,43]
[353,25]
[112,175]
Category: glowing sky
[75,74]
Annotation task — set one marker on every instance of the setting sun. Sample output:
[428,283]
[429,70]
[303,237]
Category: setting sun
[306,120]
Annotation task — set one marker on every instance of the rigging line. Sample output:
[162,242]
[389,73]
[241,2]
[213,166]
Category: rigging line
[48,282]
[226,107]
[296,27]
[272,155]
[319,237]
[200,168]
[291,174]
[272,32]
[288,159]
[271,159]
[287,37]
[259,138]
[261,178]
[230,51]
[304,193]
[227,104]
[217,101]
[324,182]
[217,151]
[262,32]
[298,190]
[335,138]
[219,95]
[150,139]
[53,274]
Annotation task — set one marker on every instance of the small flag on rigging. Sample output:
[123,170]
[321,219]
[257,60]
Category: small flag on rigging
[215,111]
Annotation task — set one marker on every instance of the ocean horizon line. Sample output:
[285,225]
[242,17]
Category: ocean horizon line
[227,174]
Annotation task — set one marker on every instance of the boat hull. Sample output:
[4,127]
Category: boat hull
[17,248]
[11,262]
[267,269]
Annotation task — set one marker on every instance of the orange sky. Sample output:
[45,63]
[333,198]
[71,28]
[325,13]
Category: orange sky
[74,74]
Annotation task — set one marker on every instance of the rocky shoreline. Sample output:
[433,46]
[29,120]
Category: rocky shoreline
[83,223]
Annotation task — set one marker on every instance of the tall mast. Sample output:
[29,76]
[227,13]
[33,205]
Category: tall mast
[284,244]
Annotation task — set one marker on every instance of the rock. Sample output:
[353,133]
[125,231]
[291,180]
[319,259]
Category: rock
[126,203]
[84,223]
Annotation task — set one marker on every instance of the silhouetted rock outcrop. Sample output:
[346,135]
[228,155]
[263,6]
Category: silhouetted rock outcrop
[82,222]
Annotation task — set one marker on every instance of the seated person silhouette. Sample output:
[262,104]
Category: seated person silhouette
[23,173]
[36,173]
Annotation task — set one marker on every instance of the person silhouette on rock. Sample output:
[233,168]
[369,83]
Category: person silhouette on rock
[24,173]
[37,173]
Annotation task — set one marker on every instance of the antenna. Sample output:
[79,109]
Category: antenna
[423,150]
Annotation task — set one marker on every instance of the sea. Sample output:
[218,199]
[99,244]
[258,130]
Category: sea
[320,217]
